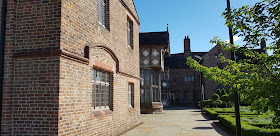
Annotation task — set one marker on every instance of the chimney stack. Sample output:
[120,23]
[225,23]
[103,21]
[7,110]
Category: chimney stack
[187,47]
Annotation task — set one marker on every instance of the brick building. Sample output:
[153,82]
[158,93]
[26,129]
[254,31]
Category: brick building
[71,67]
[153,47]
[182,84]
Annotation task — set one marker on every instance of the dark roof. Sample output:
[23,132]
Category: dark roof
[241,56]
[154,38]
[179,60]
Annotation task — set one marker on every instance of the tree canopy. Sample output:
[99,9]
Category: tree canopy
[257,77]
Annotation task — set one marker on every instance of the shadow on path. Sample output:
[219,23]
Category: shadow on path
[180,108]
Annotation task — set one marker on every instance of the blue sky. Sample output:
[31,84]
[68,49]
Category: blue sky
[201,20]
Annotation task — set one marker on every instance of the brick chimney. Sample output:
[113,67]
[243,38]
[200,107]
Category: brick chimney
[187,47]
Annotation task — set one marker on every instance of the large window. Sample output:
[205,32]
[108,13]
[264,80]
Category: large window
[101,89]
[130,95]
[130,33]
[150,91]
[103,14]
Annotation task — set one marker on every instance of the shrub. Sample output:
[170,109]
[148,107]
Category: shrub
[215,98]
[246,128]
[208,103]
[210,112]
[221,92]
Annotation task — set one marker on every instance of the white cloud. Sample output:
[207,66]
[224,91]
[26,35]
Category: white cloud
[236,38]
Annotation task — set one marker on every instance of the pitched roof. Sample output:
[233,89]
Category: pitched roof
[241,56]
[179,60]
[154,38]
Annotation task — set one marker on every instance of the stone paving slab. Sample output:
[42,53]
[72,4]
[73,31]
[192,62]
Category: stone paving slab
[180,121]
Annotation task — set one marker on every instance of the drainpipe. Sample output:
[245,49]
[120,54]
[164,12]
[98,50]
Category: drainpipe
[2,53]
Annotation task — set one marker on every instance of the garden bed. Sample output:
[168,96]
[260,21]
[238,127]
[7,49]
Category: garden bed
[247,128]
[215,112]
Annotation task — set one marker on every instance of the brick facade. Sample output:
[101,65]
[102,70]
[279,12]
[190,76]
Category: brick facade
[184,91]
[47,79]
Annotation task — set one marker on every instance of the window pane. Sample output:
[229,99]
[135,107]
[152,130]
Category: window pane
[97,75]
[106,99]
[102,95]
[101,89]
[147,95]
[142,95]
[93,74]
[142,75]
[93,95]
[99,11]
[154,95]
[102,12]
[147,77]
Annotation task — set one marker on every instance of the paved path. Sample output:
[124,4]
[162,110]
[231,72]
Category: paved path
[176,122]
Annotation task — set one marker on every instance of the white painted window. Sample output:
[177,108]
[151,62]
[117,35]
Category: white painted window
[130,95]
[103,14]
[101,89]
[130,33]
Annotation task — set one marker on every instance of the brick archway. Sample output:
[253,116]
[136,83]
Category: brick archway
[109,51]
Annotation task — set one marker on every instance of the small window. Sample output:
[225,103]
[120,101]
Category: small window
[101,83]
[103,14]
[216,55]
[130,33]
[86,52]
[130,95]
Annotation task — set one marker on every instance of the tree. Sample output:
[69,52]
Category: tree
[221,92]
[215,98]
[258,76]
[225,98]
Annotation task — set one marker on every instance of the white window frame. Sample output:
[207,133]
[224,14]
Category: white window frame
[129,27]
[103,105]
[130,95]
[102,13]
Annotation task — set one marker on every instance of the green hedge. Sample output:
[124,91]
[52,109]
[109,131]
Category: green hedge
[214,114]
[246,128]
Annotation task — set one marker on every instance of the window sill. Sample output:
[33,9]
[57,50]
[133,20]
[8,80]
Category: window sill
[131,48]
[101,113]
[103,27]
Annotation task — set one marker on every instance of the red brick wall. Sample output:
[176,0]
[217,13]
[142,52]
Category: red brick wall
[47,82]
[30,97]
[8,72]
[106,46]
[35,97]
[186,88]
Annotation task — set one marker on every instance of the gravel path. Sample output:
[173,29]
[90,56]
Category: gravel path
[180,121]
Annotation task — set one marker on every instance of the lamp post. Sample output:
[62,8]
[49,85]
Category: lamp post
[236,96]
[202,98]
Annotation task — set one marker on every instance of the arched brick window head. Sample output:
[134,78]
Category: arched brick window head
[86,52]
